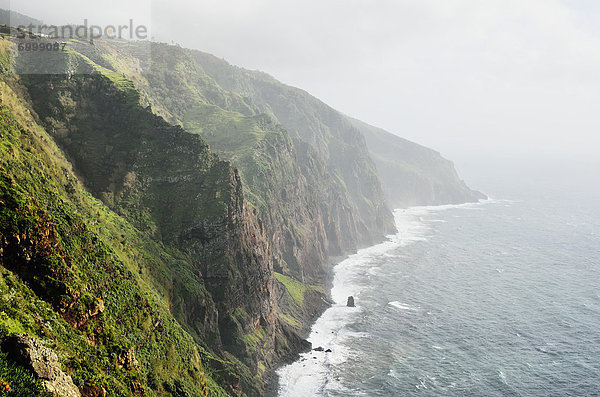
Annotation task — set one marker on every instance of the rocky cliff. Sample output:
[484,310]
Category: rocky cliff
[172,230]
[82,279]
[410,174]
[315,201]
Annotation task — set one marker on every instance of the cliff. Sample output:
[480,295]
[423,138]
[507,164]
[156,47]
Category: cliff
[80,278]
[171,258]
[312,207]
[166,219]
[409,174]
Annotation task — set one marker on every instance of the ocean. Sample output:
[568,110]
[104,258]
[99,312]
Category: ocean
[498,298]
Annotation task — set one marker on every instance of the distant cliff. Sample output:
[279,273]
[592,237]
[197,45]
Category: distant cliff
[412,174]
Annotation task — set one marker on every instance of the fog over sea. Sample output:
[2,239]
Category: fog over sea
[500,298]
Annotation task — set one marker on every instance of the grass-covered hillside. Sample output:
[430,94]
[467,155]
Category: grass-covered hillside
[79,277]
[126,245]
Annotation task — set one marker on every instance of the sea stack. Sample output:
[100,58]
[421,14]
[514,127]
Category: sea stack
[350,302]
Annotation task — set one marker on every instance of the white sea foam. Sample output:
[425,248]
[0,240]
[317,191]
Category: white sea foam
[403,306]
[373,271]
[311,375]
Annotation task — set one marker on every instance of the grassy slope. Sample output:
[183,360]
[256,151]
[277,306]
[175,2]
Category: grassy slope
[74,253]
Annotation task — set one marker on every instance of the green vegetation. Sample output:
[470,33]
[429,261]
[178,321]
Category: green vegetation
[5,56]
[17,382]
[295,288]
[51,238]
[123,85]
[253,340]
[290,320]
[232,133]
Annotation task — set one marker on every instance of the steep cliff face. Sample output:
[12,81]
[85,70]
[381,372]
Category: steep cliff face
[410,174]
[330,136]
[311,209]
[305,167]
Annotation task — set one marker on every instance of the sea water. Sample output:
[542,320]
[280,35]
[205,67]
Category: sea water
[498,298]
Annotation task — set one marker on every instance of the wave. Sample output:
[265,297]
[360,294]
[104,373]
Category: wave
[425,209]
[373,271]
[402,306]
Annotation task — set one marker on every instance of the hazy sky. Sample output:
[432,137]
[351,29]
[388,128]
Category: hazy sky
[463,77]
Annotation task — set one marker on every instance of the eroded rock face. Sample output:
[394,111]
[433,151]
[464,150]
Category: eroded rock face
[42,362]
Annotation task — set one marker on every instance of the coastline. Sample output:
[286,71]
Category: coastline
[336,300]
[326,329]
[272,385]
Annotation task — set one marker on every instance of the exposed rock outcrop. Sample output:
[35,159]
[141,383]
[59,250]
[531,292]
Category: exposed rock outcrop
[42,362]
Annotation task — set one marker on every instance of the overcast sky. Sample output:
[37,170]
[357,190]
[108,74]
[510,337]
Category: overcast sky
[463,77]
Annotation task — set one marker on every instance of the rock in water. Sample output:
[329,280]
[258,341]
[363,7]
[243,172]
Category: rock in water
[42,362]
[350,302]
